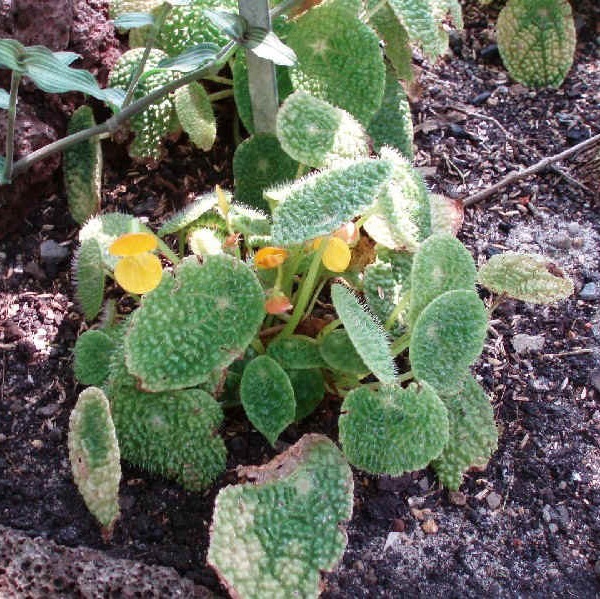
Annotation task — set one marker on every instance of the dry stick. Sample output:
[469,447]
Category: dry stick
[531,170]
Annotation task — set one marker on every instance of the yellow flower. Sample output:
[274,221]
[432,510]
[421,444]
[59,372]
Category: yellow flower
[336,256]
[138,270]
[270,257]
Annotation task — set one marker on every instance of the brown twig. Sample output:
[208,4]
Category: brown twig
[531,170]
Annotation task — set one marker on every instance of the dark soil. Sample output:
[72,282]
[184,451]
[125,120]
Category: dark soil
[526,526]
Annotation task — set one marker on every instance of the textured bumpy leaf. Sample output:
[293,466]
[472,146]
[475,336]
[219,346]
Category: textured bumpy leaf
[187,26]
[393,430]
[193,323]
[189,215]
[402,217]
[241,89]
[309,390]
[94,456]
[88,274]
[260,163]
[447,338]
[392,123]
[441,264]
[253,224]
[296,352]
[339,60]
[473,434]
[386,282]
[527,277]
[322,202]
[154,123]
[93,352]
[395,37]
[119,7]
[173,434]
[366,334]
[317,134]
[340,354]
[536,39]
[82,166]
[196,116]
[268,397]
[271,538]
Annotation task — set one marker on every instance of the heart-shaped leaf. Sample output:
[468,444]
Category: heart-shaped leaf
[393,430]
[286,525]
[199,320]
[296,352]
[268,397]
[447,338]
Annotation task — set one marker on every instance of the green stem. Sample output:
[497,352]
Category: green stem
[224,93]
[181,243]
[302,168]
[398,308]
[305,292]
[334,324]
[154,31]
[290,268]
[15,80]
[166,251]
[315,295]
[398,346]
[258,345]
[405,376]
[219,79]
[115,122]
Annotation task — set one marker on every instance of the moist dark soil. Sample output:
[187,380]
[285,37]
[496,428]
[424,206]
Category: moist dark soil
[528,525]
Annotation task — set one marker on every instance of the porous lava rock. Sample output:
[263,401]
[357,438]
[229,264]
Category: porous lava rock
[41,568]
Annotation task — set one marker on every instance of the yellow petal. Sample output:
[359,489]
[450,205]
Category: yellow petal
[131,244]
[336,256]
[139,274]
[270,257]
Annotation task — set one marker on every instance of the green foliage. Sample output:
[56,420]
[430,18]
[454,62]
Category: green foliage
[88,275]
[189,215]
[366,334]
[339,353]
[393,430]
[317,134]
[527,277]
[94,456]
[402,216]
[272,537]
[536,39]
[196,116]
[296,352]
[268,397]
[322,202]
[441,264]
[173,433]
[309,390]
[154,123]
[82,167]
[392,123]
[193,323]
[447,338]
[93,351]
[473,434]
[260,163]
[339,64]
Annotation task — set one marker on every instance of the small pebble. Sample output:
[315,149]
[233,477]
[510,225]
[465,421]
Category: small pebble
[429,526]
[424,484]
[577,243]
[494,500]
[398,525]
[561,241]
[562,485]
[458,498]
[52,252]
[590,292]
[573,229]
[553,528]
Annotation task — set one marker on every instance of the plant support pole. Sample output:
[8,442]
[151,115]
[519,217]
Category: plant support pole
[261,73]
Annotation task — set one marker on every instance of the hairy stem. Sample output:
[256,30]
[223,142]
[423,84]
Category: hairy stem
[115,122]
[154,31]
